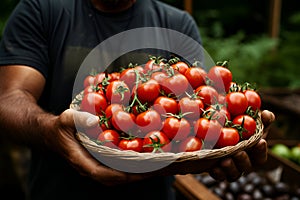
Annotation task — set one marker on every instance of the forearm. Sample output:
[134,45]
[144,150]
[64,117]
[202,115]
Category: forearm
[22,120]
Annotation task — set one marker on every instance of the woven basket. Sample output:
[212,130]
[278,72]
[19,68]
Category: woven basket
[121,155]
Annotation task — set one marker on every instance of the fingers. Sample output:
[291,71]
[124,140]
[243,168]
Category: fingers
[88,166]
[80,158]
[232,168]
[259,153]
[242,162]
[267,117]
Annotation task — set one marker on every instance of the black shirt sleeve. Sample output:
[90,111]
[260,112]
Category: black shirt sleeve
[24,39]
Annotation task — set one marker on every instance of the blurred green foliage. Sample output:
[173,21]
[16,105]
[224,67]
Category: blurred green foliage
[237,32]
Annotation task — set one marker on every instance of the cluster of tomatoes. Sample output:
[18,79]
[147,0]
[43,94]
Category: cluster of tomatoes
[169,106]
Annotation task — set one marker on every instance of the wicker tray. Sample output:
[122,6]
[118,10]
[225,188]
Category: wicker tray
[133,159]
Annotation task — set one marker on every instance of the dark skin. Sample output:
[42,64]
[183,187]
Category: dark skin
[23,121]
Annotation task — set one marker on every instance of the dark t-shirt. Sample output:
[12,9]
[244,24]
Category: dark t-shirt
[60,39]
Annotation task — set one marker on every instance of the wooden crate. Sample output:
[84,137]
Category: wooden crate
[285,104]
[190,188]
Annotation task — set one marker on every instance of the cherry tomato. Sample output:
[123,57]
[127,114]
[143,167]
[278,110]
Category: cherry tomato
[237,103]
[180,66]
[221,78]
[190,144]
[100,77]
[94,103]
[129,75]
[118,92]
[253,99]
[196,76]
[228,137]
[218,112]
[114,76]
[103,125]
[109,138]
[112,108]
[165,105]
[207,130]
[134,144]
[89,80]
[153,64]
[177,129]
[248,125]
[207,94]
[123,121]
[93,88]
[221,99]
[148,91]
[160,77]
[156,141]
[176,85]
[149,121]
[190,108]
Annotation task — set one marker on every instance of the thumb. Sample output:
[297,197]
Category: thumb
[85,119]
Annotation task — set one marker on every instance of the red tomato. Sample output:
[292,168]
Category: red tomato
[207,94]
[228,137]
[99,78]
[155,63]
[221,99]
[221,78]
[149,121]
[156,141]
[177,129]
[176,85]
[134,144]
[160,77]
[237,103]
[165,105]
[253,99]
[89,80]
[118,92]
[129,75]
[123,121]
[207,130]
[112,108]
[196,76]
[180,66]
[248,125]
[114,76]
[94,103]
[137,109]
[148,91]
[93,88]
[103,125]
[109,138]
[191,108]
[190,144]
[218,112]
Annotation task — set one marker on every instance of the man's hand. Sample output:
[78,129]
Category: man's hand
[66,144]
[233,167]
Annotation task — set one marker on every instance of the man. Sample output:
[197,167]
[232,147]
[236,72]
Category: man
[43,46]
